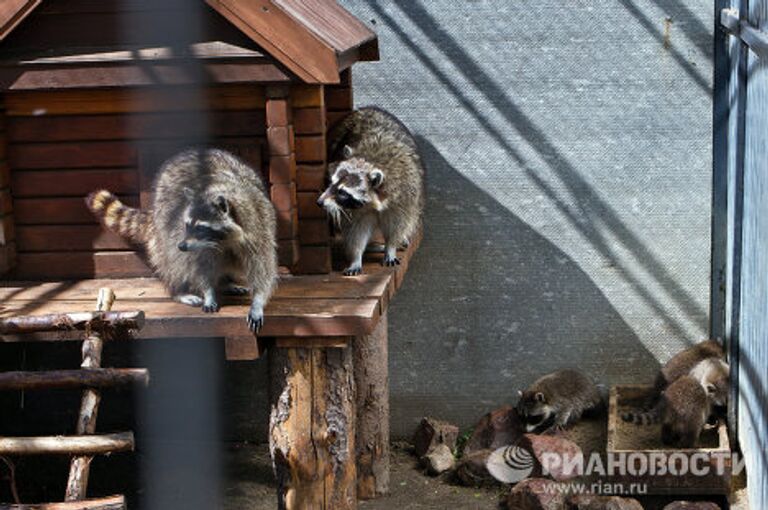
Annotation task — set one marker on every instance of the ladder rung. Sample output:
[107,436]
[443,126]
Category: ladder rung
[108,503]
[69,321]
[67,445]
[84,378]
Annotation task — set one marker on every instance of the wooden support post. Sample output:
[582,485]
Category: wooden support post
[79,469]
[67,445]
[108,503]
[312,428]
[372,385]
[93,378]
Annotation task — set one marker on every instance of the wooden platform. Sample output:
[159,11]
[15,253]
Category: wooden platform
[303,306]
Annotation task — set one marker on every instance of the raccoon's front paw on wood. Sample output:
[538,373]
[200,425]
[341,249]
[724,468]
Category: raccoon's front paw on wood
[353,270]
[255,321]
[211,307]
[390,261]
[189,299]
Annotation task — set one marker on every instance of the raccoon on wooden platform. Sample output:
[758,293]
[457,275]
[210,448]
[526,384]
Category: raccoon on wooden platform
[376,181]
[211,228]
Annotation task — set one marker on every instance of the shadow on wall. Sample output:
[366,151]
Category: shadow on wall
[466,333]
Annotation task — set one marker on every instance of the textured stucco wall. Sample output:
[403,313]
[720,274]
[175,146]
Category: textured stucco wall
[568,152]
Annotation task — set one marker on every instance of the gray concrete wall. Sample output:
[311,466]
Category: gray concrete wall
[568,153]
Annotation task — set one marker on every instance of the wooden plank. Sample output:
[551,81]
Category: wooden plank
[314,260]
[7,229]
[58,211]
[150,126]
[282,169]
[283,196]
[241,348]
[283,37]
[63,265]
[67,445]
[338,98]
[72,155]
[160,99]
[67,379]
[35,238]
[12,12]
[307,96]
[280,139]
[310,148]
[166,319]
[307,205]
[314,232]
[311,177]
[6,202]
[278,112]
[170,73]
[331,342]
[77,321]
[78,183]
[308,121]
[108,503]
[5,171]
[7,257]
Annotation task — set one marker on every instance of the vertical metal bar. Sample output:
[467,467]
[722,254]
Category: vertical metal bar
[719,254]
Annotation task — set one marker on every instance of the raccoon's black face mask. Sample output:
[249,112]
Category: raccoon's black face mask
[207,225]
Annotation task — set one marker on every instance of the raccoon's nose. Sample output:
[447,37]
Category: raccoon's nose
[320,202]
[183,246]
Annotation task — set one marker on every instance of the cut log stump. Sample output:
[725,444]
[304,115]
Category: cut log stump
[312,428]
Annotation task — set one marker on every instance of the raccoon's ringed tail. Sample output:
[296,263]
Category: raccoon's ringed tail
[640,417]
[129,222]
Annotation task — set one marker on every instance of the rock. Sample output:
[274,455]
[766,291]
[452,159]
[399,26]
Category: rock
[432,432]
[471,470]
[568,454]
[537,494]
[692,505]
[498,428]
[438,460]
[593,502]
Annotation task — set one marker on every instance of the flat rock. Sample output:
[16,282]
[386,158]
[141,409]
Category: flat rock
[438,460]
[593,502]
[537,494]
[543,446]
[692,505]
[498,428]
[471,469]
[431,432]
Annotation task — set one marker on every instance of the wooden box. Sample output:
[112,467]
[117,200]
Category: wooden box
[711,461]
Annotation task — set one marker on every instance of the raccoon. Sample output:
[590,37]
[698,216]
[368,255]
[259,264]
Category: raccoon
[685,410]
[376,181]
[679,365]
[713,375]
[557,400]
[211,227]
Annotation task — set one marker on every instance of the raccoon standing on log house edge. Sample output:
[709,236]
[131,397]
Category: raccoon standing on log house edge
[376,181]
[211,229]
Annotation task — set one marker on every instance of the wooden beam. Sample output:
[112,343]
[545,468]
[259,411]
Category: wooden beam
[67,445]
[108,503]
[71,321]
[93,378]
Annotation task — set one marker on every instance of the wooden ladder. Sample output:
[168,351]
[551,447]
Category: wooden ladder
[98,326]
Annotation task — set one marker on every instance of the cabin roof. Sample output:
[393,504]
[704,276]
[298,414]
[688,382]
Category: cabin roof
[314,40]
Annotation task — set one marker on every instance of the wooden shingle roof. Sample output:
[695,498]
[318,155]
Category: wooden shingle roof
[312,39]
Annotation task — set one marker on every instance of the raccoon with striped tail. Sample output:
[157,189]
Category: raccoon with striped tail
[210,229]
[376,181]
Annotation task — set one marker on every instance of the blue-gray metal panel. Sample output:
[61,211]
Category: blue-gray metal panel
[753,326]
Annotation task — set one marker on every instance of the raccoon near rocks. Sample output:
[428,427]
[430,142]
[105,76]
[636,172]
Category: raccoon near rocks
[210,228]
[681,364]
[557,400]
[376,181]
[685,411]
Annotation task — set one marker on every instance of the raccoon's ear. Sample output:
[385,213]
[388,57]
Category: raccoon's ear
[221,204]
[376,177]
[348,152]
[540,396]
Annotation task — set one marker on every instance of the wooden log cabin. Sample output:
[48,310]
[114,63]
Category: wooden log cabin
[96,94]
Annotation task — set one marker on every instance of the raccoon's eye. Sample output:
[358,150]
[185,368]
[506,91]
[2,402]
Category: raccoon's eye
[343,195]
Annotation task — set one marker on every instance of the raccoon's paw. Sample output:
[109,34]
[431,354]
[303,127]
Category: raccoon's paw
[211,307]
[353,270]
[236,290]
[390,261]
[189,299]
[255,320]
